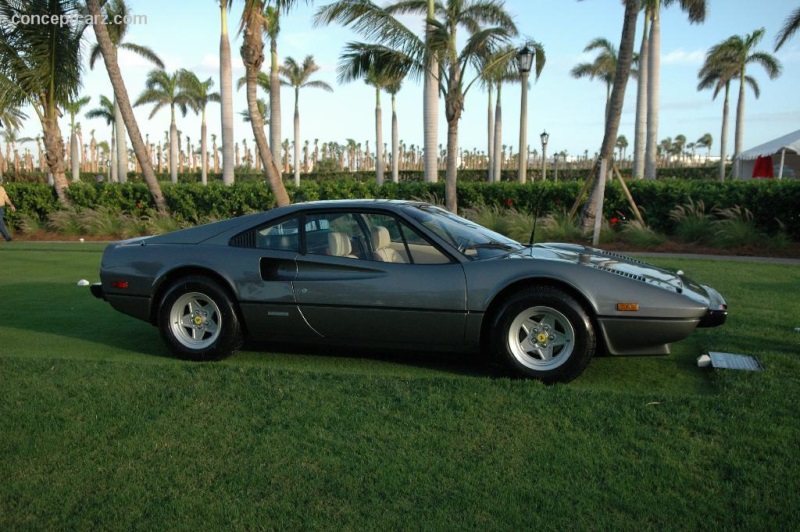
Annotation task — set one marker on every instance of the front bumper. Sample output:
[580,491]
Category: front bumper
[97,291]
[717,309]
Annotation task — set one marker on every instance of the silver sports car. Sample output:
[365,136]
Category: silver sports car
[399,274]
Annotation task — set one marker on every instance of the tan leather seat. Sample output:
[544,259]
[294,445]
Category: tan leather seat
[339,245]
[380,244]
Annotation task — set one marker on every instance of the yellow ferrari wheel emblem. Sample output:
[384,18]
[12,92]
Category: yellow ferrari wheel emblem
[198,320]
[541,338]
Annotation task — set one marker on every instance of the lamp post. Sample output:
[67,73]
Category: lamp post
[524,61]
[544,137]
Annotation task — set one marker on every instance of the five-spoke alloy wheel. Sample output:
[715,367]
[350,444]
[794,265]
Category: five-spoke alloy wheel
[543,333]
[198,320]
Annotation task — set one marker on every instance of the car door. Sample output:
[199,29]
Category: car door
[349,294]
[266,292]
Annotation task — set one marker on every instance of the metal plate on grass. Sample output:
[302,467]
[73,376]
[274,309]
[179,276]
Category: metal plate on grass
[731,361]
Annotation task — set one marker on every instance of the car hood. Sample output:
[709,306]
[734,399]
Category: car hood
[614,263]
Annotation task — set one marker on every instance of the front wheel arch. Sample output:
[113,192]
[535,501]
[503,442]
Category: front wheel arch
[490,316]
[540,331]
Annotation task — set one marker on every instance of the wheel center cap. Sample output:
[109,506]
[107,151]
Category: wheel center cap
[198,320]
[541,337]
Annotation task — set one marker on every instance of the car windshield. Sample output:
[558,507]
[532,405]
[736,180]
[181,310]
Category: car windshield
[470,239]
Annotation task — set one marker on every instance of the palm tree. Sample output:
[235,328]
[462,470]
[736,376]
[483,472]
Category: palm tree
[226,94]
[106,112]
[640,129]
[624,62]
[696,10]
[705,142]
[741,51]
[272,15]
[443,41]
[384,69]
[621,145]
[73,107]
[263,110]
[718,71]
[40,66]
[117,13]
[788,29]
[163,89]
[298,76]
[253,24]
[677,146]
[603,67]
[200,95]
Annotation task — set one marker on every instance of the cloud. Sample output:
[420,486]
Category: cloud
[682,57]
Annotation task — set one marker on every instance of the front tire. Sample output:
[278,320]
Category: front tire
[198,320]
[545,334]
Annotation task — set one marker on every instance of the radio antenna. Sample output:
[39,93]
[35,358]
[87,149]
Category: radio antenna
[535,219]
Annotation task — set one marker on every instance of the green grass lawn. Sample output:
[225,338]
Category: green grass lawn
[100,428]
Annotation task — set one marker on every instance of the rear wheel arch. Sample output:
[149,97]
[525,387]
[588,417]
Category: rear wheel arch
[198,318]
[174,276]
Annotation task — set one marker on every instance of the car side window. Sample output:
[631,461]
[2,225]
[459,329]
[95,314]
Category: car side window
[335,234]
[392,240]
[281,236]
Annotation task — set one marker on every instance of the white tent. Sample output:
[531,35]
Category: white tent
[785,154]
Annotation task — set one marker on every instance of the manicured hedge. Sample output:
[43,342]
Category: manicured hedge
[771,202]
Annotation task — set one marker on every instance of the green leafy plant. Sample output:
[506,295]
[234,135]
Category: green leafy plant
[641,235]
[692,223]
[734,227]
[560,227]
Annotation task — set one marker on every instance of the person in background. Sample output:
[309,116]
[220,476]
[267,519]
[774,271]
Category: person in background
[4,200]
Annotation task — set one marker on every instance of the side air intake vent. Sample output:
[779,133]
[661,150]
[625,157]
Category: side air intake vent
[244,240]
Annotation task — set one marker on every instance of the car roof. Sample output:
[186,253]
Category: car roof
[392,204]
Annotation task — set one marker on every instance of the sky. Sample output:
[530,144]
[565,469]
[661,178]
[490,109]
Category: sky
[186,34]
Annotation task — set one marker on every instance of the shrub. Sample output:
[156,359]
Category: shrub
[640,235]
[734,228]
[693,224]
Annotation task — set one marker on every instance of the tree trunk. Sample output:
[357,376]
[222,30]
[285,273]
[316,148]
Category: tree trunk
[112,156]
[738,138]
[640,132]
[490,133]
[54,153]
[395,144]
[274,103]
[121,96]
[122,145]
[203,151]
[252,52]
[621,76]
[297,137]
[430,109]
[226,97]
[653,94]
[497,157]
[723,138]
[174,150]
[74,157]
[378,138]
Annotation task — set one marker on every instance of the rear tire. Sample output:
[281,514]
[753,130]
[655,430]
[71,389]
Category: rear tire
[543,333]
[198,320]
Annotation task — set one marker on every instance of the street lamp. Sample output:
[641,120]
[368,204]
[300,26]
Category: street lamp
[544,137]
[524,61]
